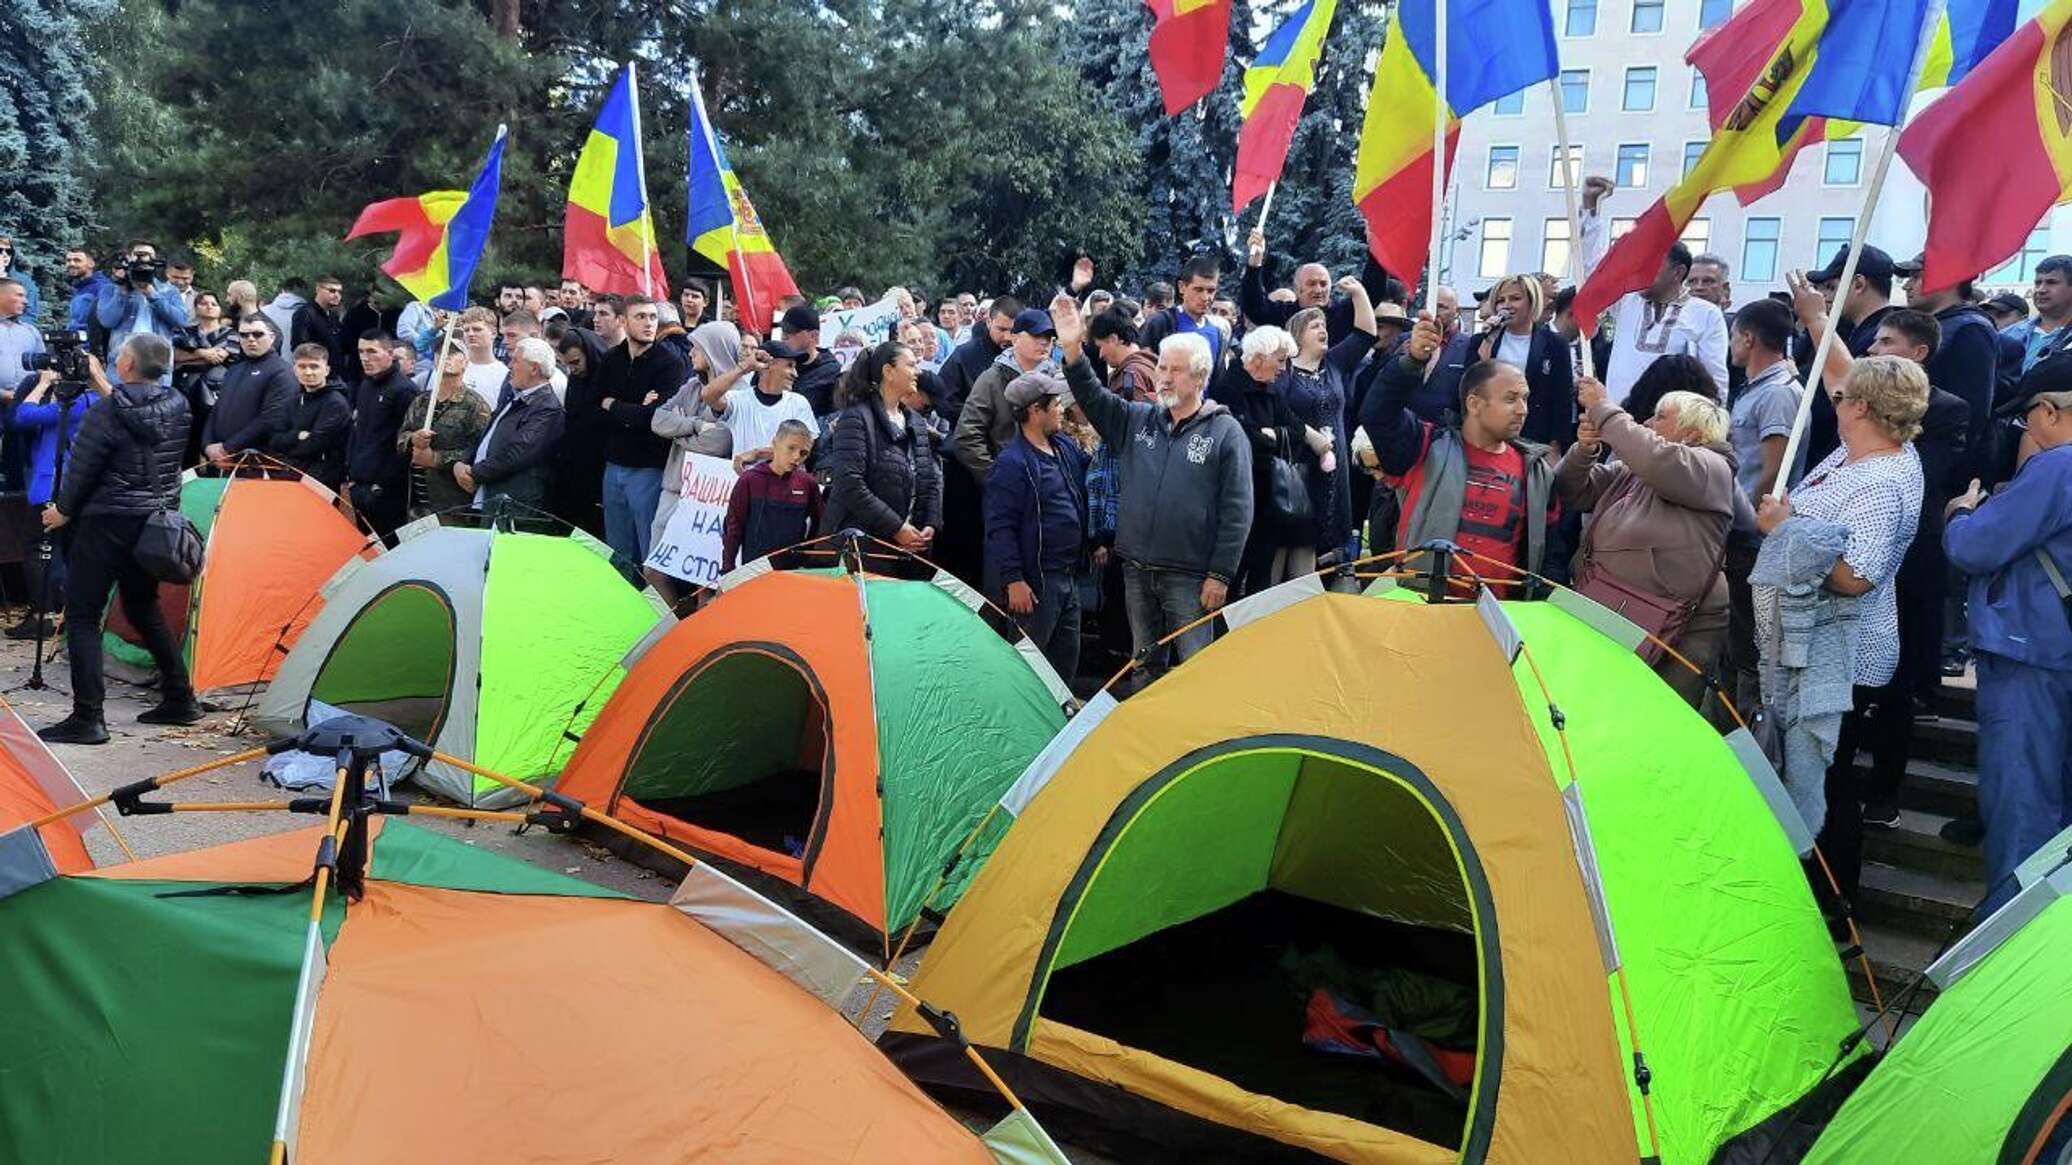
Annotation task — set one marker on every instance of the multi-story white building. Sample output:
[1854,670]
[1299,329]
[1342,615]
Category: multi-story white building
[1637,114]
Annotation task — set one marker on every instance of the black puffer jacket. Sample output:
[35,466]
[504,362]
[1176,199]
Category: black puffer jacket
[109,468]
[880,480]
[313,434]
[251,404]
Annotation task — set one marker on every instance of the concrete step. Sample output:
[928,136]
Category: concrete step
[1917,844]
[1945,790]
[1921,903]
[1945,741]
[1957,701]
[1897,956]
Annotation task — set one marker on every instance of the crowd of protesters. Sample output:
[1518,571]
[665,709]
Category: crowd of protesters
[1110,471]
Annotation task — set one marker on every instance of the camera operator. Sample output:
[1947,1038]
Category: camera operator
[202,357]
[256,395]
[46,416]
[141,301]
[123,467]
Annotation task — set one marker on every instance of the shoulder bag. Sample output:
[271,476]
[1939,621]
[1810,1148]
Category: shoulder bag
[168,547]
[1287,495]
[1663,618]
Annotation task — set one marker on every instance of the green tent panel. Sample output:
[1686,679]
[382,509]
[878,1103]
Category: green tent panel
[488,644]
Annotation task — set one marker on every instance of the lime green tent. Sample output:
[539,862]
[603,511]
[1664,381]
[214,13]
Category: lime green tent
[486,644]
[1985,1077]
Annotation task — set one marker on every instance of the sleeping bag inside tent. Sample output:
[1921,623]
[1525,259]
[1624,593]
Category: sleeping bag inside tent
[840,732]
[151,1006]
[271,542]
[1333,887]
[483,643]
[1985,1076]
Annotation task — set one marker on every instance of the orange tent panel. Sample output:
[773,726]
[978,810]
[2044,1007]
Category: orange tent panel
[23,799]
[274,544]
[820,619]
[655,1040]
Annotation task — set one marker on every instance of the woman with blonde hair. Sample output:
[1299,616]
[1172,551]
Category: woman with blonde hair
[1663,509]
[1518,337]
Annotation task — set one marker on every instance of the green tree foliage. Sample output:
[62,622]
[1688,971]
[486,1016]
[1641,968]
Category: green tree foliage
[46,135]
[1313,217]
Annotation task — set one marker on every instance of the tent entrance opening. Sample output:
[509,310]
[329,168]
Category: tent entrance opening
[741,748]
[394,662]
[1294,923]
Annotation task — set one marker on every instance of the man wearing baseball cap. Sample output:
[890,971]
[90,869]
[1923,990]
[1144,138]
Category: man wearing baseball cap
[752,412]
[987,423]
[1870,298]
[817,368]
[2017,548]
[1036,519]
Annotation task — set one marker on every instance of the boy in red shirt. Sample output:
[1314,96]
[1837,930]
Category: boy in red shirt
[775,504]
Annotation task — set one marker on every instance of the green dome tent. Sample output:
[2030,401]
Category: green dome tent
[1985,1077]
[483,643]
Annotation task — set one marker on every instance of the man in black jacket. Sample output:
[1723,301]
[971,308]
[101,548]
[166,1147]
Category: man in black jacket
[637,376]
[124,466]
[1966,361]
[377,471]
[818,368]
[255,396]
[317,321]
[1312,289]
[976,354]
[313,433]
[516,454]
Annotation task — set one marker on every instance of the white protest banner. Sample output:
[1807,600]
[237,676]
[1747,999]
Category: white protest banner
[689,547]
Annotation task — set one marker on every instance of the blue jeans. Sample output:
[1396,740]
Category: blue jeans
[2024,765]
[631,497]
[1054,624]
[1161,602]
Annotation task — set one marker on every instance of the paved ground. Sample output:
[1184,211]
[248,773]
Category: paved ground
[137,751]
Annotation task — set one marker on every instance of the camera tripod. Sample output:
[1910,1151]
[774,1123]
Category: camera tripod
[46,547]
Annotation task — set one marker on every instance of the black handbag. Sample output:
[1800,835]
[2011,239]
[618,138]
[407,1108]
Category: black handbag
[1288,507]
[168,547]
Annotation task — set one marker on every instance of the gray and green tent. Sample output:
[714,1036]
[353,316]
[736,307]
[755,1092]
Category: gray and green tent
[485,644]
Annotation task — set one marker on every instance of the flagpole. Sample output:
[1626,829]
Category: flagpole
[647,242]
[1438,156]
[1266,207]
[1575,214]
[439,371]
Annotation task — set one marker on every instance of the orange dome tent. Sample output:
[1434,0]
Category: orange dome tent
[274,537]
[33,785]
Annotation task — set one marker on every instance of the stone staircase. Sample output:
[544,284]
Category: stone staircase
[1918,889]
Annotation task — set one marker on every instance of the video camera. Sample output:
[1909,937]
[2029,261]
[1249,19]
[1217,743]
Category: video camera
[144,270]
[65,354]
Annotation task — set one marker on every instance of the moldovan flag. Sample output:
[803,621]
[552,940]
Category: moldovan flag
[608,237]
[443,233]
[1275,87]
[1996,151]
[1494,48]
[1190,39]
[1854,62]
[1730,56]
[723,227]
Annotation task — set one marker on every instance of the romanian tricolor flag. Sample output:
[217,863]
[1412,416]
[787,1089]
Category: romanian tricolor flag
[1275,87]
[1858,69]
[608,237]
[1996,151]
[1730,55]
[1190,39]
[723,227]
[1494,48]
[443,234]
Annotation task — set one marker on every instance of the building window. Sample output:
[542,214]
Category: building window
[1713,13]
[1647,15]
[1555,178]
[1496,248]
[1697,235]
[1503,169]
[1582,18]
[1575,90]
[1834,236]
[1633,165]
[1692,152]
[1844,162]
[2021,266]
[1697,90]
[1621,227]
[1556,249]
[1511,104]
[1640,89]
[1759,251]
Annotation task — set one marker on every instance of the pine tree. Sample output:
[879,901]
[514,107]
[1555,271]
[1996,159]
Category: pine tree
[47,139]
[1313,218]
[1185,185]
